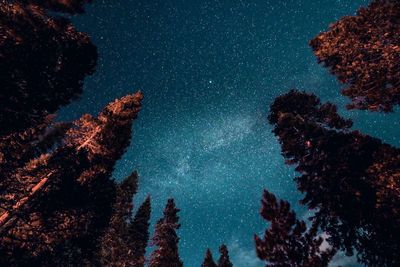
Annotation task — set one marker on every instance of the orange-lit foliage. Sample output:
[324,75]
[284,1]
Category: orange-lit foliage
[64,198]
[67,6]
[363,51]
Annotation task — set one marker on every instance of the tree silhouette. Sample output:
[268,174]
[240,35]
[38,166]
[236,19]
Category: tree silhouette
[224,260]
[363,51]
[287,241]
[139,233]
[43,62]
[166,239]
[63,199]
[125,239]
[208,260]
[114,244]
[349,178]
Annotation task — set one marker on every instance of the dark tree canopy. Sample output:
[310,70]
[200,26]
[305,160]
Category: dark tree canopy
[43,62]
[138,231]
[349,178]
[208,260]
[67,6]
[166,239]
[125,239]
[224,260]
[63,199]
[114,244]
[58,205]
[17,149]
[287,242]
[363,51]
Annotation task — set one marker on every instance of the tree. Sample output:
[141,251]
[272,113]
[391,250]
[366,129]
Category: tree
[114,249]
[166,239]
[363,51]
[139,233]
[125,239]
[208,260]
[288,242]
[43,62]
[349,178]
[224,260]
[57,205]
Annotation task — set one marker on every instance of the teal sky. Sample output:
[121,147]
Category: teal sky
[209,71]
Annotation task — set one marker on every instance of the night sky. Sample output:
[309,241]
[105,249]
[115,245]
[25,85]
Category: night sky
[209,71]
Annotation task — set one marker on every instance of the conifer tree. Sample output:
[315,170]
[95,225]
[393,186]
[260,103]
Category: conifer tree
[43,62]
[349,178]
[166,239]
[363,52]
[287,241]
[64,198]
[224,260]
[125,239]
[208,260]
[114,244]
[138,233]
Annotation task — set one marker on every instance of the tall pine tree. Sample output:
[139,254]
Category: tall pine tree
[114,247]
[224,260]
[139,233]
[166,239]
[63,199]
[208,260]
[125,240]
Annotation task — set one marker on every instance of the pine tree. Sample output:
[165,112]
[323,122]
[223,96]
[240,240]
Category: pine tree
[363,52]
[208,260]
[349,178]
[224,260]
[43,62]
[166,239]
[70,195]
[125,239]
[114,244]
[287,241]
[138,233]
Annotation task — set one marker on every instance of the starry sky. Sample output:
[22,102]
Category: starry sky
[209,70]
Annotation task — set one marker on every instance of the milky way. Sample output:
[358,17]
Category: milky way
[209,70]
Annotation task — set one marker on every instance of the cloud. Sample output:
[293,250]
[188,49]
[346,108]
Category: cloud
[342,260]
[243,257]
